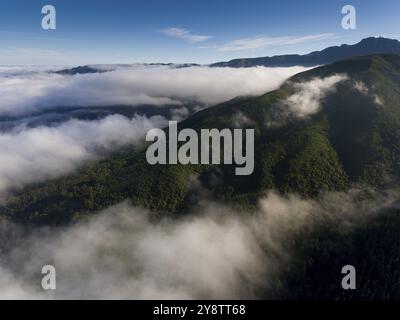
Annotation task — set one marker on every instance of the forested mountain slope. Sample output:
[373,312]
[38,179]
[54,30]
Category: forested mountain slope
[350,135]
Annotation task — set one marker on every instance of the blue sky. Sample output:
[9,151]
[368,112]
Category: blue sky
[202,31]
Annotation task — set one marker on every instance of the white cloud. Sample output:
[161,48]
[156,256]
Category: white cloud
[179,114]
[136,86]
[123,253]
[378,100]
[261,42]
[185,35]
[239,120]
[306,100]
[362,88]
[21,70]
[35,154]
[212,253]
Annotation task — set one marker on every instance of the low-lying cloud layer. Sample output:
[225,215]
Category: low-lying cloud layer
[35,154]
[215,252]
[47,150]
[27,92]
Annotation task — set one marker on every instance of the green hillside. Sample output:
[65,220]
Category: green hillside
[355,138]
[373,248]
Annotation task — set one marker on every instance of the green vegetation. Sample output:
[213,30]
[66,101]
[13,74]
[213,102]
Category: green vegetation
[372,247]
[354,139]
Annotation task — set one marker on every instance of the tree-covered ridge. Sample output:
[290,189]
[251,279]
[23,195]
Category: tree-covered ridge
[372,246]
[354,138]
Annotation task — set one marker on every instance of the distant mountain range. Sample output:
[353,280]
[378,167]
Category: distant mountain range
[100,68]
[366,46]
[79,70]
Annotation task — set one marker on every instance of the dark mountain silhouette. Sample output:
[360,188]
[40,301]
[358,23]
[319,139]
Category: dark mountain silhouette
[366,46]
[97,68]
[79,70]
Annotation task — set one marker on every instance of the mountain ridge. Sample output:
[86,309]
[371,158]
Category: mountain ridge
[354,138]
[367,46]
[100,68]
